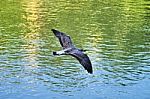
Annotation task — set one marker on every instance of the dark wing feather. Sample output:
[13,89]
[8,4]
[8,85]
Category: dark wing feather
[83,59]
[64,39]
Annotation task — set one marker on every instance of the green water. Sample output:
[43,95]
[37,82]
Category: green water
[115,33]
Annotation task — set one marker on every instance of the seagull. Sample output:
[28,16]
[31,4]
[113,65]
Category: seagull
[70,49]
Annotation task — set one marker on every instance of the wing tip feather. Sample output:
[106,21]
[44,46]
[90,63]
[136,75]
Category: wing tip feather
[54,31]
[91,72]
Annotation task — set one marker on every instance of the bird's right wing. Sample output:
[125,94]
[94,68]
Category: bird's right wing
[64,39]
[83,59]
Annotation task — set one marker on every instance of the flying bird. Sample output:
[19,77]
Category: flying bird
[70,49]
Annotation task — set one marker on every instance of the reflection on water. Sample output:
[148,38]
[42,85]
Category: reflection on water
[115,35]
[33,25]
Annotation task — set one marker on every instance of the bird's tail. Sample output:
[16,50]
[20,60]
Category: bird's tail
[55,53]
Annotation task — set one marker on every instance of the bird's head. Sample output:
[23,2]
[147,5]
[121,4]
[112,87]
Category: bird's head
[83,50]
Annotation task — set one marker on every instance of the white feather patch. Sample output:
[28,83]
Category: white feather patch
[60,52]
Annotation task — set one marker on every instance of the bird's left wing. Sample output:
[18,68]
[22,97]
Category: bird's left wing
[64,39]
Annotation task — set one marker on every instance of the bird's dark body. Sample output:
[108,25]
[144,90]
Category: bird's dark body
[70,49]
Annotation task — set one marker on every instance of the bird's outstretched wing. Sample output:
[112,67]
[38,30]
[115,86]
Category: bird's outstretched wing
[64,39]
[83,59]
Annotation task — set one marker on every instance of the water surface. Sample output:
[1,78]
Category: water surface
[116,35]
